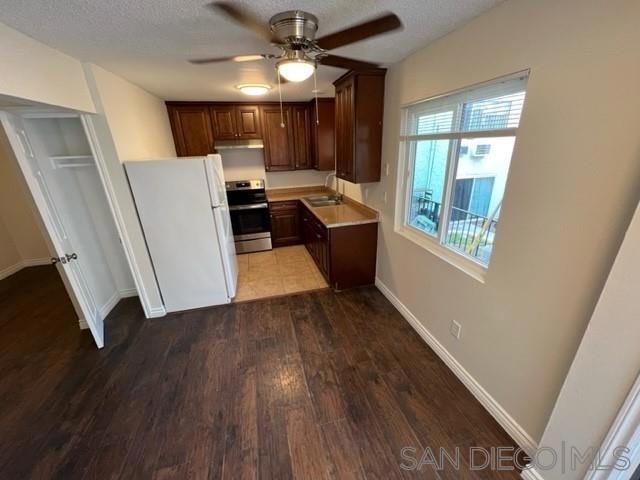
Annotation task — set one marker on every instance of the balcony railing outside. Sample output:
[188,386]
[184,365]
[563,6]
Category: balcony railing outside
[468,231]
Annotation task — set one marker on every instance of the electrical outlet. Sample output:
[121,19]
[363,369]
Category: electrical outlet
[455,329]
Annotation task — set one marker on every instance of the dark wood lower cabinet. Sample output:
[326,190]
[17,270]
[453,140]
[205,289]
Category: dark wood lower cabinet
[285,223]
[346,256]
[316,239]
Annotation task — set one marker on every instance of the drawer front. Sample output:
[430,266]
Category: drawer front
[287,205]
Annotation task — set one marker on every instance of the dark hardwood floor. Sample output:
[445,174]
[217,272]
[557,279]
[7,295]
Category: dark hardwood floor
[310,386]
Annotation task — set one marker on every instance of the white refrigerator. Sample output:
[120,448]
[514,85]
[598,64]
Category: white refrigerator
[183,210]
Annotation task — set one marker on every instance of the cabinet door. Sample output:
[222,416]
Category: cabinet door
[345,130]
[278,140]
[192,133]
[308,233]
[285,227]
[248,121]
[323,134]
[323,250]
[302,137]
[224,122]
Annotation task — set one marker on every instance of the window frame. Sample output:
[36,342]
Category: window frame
[436,244]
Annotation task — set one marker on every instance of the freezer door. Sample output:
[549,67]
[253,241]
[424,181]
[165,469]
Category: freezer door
[222,217]
[173,203]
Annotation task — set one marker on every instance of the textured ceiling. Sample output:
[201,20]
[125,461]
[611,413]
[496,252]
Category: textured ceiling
[149,41]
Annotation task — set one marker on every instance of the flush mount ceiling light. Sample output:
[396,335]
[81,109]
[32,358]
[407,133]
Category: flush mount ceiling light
[254,89]
[296,67]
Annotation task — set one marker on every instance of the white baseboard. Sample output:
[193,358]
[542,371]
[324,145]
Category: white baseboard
[104,310]
[157,312]
[531,474]
[128,292]
[15,268]
[10,270]
[83,324]
[519,435]
[36,262]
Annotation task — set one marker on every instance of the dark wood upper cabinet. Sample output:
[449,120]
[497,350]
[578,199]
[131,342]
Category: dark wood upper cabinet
[301,144]
[191,127]
[344,135]
[224,122]
[248,121]
[359,110]
[278,140]
[233,122]
[302,137]
[323,134]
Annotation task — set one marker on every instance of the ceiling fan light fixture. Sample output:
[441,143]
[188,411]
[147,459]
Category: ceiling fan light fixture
[296,69]
[254,89]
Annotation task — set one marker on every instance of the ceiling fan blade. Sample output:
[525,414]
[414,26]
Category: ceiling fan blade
[348,63]
[235,58]
[246,19]
[383,24]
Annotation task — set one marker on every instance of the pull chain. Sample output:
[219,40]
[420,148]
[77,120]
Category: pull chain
[315,91]
[280,94]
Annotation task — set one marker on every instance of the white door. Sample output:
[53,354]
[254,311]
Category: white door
[69,261]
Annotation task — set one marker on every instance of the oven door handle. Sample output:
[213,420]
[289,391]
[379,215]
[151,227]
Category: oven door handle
[251,206]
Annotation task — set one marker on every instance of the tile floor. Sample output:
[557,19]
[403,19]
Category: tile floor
[277,272]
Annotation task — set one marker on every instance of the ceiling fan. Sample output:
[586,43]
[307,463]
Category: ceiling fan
[293,32]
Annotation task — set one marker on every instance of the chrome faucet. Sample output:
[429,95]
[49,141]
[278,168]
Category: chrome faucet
[339,196]
[326,180]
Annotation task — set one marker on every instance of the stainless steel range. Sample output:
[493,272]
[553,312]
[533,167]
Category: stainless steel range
[249,215]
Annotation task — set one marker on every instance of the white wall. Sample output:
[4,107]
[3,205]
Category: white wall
[130,123]
[574,183]
[139,121]
[248,164]
[21,239]
[107,93]
[606,365]
[34,71]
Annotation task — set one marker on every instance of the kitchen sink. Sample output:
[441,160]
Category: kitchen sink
[324,200]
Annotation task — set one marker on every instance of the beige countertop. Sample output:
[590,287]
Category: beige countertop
[296,193]
[348,213]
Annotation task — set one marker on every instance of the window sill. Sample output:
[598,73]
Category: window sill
[475,270]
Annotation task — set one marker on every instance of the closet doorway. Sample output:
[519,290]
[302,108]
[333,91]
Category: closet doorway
[59,164]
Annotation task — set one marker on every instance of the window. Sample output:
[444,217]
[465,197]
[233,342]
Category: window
[455,152]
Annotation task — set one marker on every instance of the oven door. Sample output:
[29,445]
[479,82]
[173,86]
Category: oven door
[250,221]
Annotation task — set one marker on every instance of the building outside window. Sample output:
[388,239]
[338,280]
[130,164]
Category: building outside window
[455,151]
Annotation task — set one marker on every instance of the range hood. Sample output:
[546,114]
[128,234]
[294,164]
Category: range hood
[238,144]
